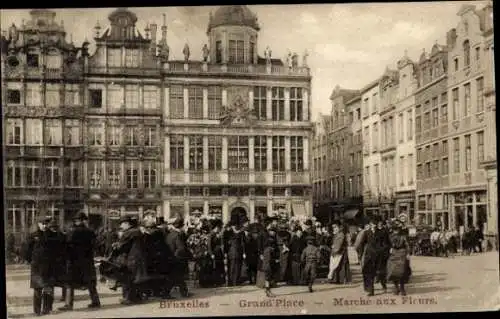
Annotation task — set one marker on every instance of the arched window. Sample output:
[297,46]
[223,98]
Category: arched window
[466,53]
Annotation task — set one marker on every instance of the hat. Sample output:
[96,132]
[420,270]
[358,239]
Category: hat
[308,222]
[297,228]
[80,216]
[310,239]
[270,240]
[160,220]
[178,222]
[375,219]
[126,219]
[53,223]
[44,219]
[216,223]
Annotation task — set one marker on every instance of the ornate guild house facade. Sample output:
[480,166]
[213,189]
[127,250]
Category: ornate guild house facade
[134,131]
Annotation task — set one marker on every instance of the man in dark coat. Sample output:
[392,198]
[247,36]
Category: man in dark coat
[297,245]
[377,245]
[80,244]
[128,257]
[42,255]
[176,242]
[60,262]
[269,264]
[234,249]
[252,254]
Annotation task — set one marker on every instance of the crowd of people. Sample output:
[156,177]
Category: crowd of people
[151,257]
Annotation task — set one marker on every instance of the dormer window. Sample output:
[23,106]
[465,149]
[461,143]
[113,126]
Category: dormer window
[466,47]
[236,51]
[114,57]
[32,60]
[53,62]
[132,58]
[218,52]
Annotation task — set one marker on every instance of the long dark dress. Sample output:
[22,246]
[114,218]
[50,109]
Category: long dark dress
[398,266]
[376,252]
[204,261]
[215,249]
[297,245]
[342,274]
[42,255]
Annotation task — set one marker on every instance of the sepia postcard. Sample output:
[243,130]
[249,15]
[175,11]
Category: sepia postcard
[250,160]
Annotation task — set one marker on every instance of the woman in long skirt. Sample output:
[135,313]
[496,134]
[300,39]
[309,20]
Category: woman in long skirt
[398,265]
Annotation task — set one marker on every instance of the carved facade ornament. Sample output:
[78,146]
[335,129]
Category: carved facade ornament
[238,113]
[480,117]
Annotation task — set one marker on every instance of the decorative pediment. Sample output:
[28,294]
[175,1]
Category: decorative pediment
[238,113]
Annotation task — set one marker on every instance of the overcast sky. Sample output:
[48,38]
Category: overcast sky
[348,44]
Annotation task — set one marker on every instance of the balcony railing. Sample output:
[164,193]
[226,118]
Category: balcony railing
[196,177]
[125,71]
[260,177]
[214,177]
[300,177]
[177,176]
[257,69]
[279,178]
[238,177]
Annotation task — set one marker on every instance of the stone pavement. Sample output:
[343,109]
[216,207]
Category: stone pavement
[460,283]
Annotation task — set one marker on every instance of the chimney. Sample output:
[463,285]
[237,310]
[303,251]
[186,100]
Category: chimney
[154,30]
[451,37]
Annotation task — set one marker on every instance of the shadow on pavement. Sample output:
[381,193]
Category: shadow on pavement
[425,278]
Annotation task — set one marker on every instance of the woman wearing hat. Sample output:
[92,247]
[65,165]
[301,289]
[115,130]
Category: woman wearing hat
[42,255]
[398,265]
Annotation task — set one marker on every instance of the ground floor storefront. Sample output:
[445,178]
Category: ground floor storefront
[460,210]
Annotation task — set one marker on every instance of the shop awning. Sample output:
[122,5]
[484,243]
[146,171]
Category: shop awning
[298,209]
[351,213]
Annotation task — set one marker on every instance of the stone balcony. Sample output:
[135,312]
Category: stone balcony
[196,67]
[238,177]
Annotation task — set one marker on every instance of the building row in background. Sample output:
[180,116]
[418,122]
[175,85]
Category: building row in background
[126,130]
[420,140]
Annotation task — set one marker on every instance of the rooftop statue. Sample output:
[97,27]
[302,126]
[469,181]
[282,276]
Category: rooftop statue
[186,52]
[205,52]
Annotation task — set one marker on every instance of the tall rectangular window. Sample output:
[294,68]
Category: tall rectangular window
[95,174]
[195,102]
[52,95]
[214,152]
[132,58]
[218,52]
[401,129]
[418,124]
[409,129]
[214,102]
[13,96]
[14,131]
[177,152]
[115,97]
[131,96]
[236,51]
[435,117]
[195,153]
[480,94]
[33,178]
[114,135]
[52,174]
[237,153]
[132,137]
[96,134]
[149,175]
[260,102]
[13,174]
[297,153]
[375,136]
[260,153]
[295,104]
[34,132]
[33,94]
[72,133]
[467,104]
[150,136]
[468,155]
[454,94]
[435,168]
[95,98]
[53,132]
[132,174]
[444,151]
[375,103]
[72,95]
[367,182]
[402,170]
[278,151]
[176,102]
[114,174]
[377,175]
[410,169]
[114,57]
[456,155]
[427,121]
[444,114]
[278,103]
[444,166]
[480,147]
[150,97]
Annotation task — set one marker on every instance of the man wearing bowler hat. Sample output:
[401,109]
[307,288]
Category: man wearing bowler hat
[176,242]
[41,255]
[80,244]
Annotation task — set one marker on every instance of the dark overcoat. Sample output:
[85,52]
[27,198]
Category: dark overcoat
[176,243]
[376,252]
[235,244]
[60,261]
[80,245]
[127,254]
[156,253]
[41,253]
